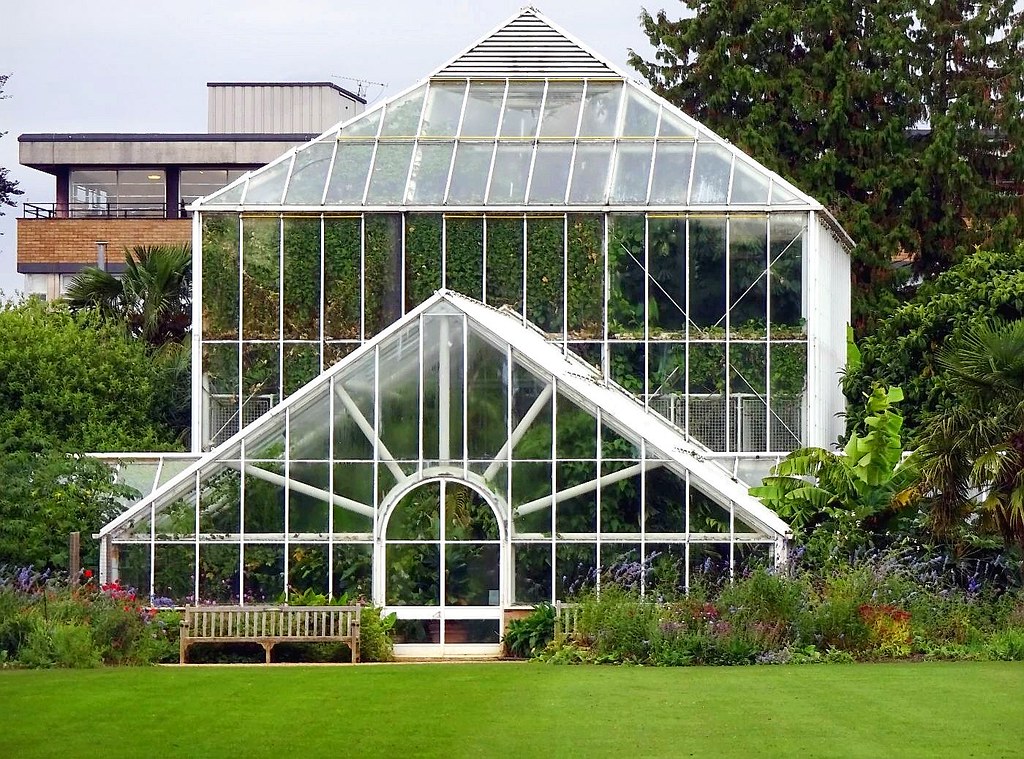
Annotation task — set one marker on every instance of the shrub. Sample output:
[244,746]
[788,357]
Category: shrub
[67,645]
[526,637]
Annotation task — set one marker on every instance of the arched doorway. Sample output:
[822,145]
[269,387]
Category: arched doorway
[441,553]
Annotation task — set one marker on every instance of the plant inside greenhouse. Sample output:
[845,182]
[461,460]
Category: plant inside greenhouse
[473,348]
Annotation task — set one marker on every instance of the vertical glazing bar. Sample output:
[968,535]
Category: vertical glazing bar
[443,584]
[373,154]
[732,176]
[323,289]
[444,394]
[494,150]
[510,374]
[407,194]
[600,430]
[378,548]
[330,488]
[565,282]
[421,381]
[240,400]
[483,255]
[241,523]
[465,395]
[280,313]
[152,552]
[554,483]
[533,153]
[728,349]
[686,573]
[686,345]
[526,266]
[575,142]
[606,357]
[195,578]
[401,256]
[647,311]
[288,176]
[444,251]
[693,163]
[768,333]
[455,145]
[732,540]
[644,453]
[199,404]
[287,495]
[362,277]
[654,154]
[612,166]
[330,169]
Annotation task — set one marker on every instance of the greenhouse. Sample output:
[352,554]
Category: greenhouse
[510,331]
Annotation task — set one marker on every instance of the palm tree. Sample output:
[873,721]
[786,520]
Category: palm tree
[153,297]
[973,452]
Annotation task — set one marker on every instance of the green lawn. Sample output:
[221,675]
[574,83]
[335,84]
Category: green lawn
[517,710]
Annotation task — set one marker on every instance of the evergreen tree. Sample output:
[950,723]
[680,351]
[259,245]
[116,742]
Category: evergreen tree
[837,97]
[8,187]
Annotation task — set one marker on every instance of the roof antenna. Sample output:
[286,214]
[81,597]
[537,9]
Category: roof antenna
[361,85]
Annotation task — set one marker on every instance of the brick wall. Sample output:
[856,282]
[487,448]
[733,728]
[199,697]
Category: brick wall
[73,241]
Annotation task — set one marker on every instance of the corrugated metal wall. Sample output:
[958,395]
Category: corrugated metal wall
[277,109]
[828,315]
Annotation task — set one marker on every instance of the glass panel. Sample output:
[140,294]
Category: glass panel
[748,280]
[748,184]
[667,271]
[309,428]
[632,172]
[422,257]
[468,517]
[220,367]
[364,126]
[400,391]
[544,273]
[585,295]
[261,260]
[578,514]
[576,430]
[220,276]
[505,262]
[472,631]
[781,195]
[674,126]
[706,515]
[550,173]
[620,501]
[133,568]
[430,173]
[522,109]
[626,362]
[626,258]
[747,379]
[511,170]
[348,177]
[601,109]
[353,480]
[309,513]
[711,171]
[308,568]
[416,631]
[788,384]
[403,115]
[532,573]
[665,501]
[641,115]
[671,173]
[620,565]
[442,347]
[219,577]
[264,502]
[561,109]
[382,274]
[486,380]
[444,106]
[301,365]
[590,173]
[219,501]
[469,176]
[666,576]
[464,261]
[668,380]
[413,574]
[341,277]
[483,109]
[575,569]
[353,571]
[302,295]
[786,255]
[706,414]
[174,573]
[264,573]
[707,266]
[390,172]
[228,197]
[260,374]
[472,574]
[266,186]
[309,175]
[418,515]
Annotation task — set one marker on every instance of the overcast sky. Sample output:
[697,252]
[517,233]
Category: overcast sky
[130,66]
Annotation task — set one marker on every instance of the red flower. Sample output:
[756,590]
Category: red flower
[87,573]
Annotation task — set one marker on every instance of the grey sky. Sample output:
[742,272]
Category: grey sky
[130,66]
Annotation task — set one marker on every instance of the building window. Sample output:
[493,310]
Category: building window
[118,193]
[196,183]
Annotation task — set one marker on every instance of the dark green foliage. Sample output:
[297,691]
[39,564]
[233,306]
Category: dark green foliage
[829,95]
[902,351]
[72,382]
[528,636]
[48,495]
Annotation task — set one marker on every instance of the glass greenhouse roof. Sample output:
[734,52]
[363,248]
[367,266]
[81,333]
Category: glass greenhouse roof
[487,130]
[362,410]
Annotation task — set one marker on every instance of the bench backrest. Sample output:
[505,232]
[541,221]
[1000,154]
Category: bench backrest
[271,622]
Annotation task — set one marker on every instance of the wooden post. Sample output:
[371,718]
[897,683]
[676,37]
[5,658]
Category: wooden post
[74,557]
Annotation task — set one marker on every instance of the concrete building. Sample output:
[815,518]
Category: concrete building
[114,191]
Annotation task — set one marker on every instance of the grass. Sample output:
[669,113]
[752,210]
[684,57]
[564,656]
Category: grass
[522,710]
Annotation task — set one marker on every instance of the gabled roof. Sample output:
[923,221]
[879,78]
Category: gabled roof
[503,331]
[528,117]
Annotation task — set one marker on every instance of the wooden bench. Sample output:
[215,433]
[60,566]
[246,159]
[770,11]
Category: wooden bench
[270,625]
